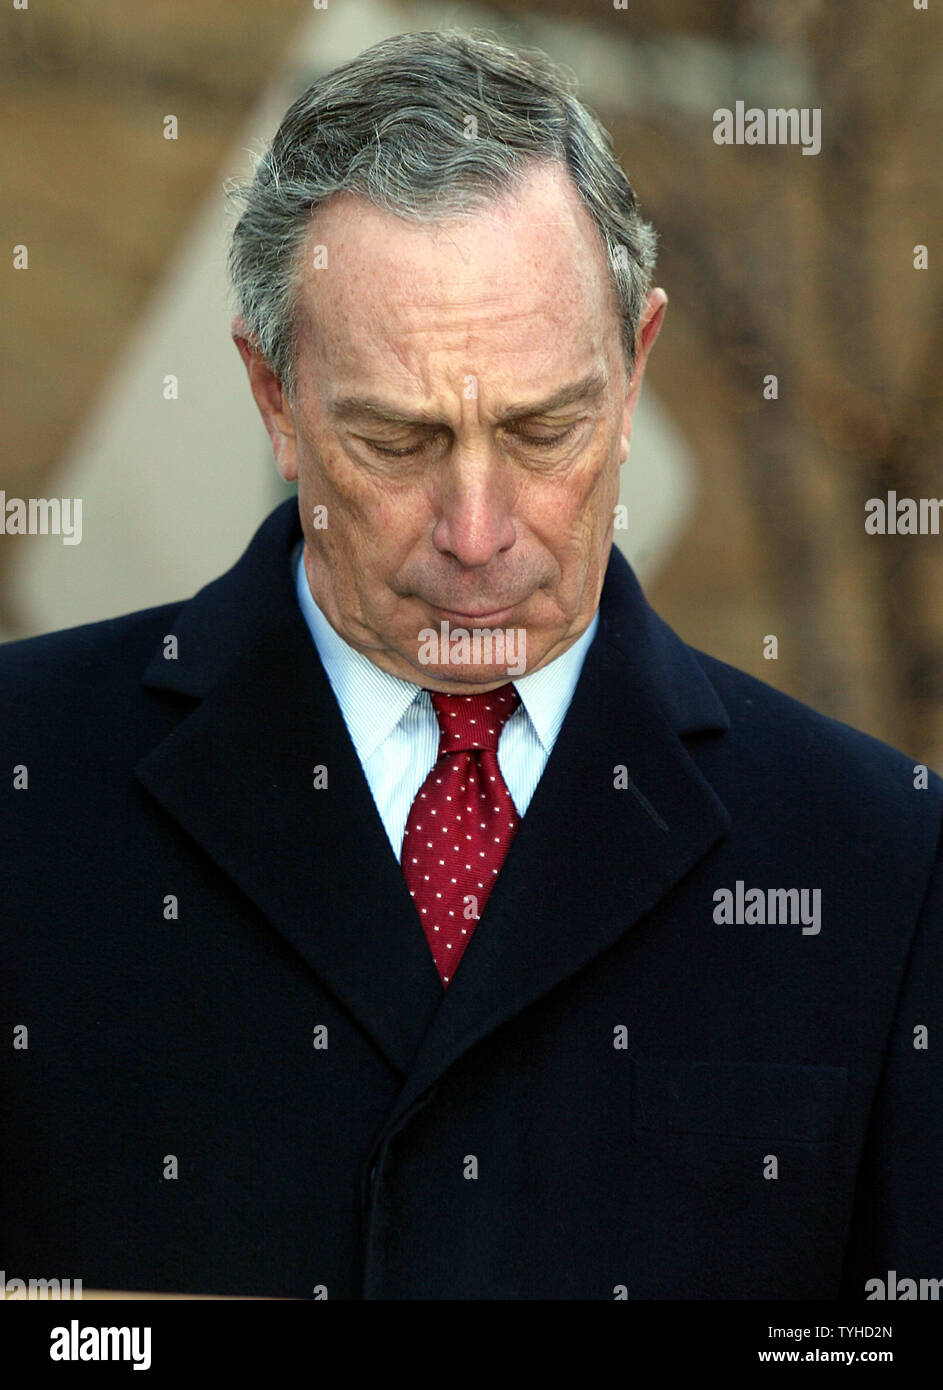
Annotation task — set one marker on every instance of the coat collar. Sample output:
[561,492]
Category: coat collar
[588,861]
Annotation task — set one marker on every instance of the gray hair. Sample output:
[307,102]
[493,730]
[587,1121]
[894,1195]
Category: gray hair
[427,126]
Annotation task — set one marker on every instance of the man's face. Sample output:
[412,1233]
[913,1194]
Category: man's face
[460,415]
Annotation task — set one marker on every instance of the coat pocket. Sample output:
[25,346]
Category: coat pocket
[750,1100]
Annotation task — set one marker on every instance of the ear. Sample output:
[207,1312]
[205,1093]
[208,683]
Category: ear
[272,403]
[648,330]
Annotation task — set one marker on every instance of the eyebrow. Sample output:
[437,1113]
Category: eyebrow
[587,388]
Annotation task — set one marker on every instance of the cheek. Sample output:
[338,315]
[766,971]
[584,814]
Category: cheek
[326,475]
[589,491]
[374,530]
[329,479]
[604,492]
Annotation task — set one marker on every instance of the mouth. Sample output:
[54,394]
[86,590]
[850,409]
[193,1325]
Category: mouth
[496,615]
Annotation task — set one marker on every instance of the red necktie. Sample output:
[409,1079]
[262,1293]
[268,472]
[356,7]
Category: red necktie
[461,823]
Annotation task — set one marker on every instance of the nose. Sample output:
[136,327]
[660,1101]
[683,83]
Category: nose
[473,503]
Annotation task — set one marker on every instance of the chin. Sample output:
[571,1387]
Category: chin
[459,680]
[475,656]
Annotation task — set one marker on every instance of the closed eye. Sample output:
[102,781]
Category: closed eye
[546,441]
[541,442]
[396,453]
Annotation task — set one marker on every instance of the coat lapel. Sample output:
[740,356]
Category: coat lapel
[590,858]
[238,772]
[588,861]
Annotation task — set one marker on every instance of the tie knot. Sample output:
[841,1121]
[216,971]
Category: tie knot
[467,722]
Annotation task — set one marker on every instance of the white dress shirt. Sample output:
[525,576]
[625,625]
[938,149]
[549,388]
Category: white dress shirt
[395,731]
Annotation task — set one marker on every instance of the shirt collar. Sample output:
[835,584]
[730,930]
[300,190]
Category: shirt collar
[373,702]
[546,694]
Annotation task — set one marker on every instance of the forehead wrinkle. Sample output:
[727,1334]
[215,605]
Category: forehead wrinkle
[465,337]
[413,314]
[587,388]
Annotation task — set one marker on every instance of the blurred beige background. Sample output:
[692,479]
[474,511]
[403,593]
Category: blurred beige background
[746,514]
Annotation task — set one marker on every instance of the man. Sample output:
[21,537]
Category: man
[412,914]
